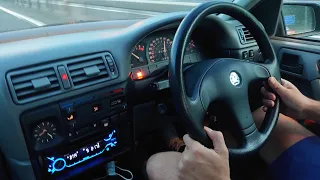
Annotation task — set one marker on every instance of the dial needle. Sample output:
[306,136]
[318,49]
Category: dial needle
[135,56]
[50,135]
[164,47]
[43,131]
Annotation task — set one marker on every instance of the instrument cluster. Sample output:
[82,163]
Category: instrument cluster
[153,52]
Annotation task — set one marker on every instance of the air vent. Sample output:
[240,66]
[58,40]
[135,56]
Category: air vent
[88,72]
[245,35]
[34,85]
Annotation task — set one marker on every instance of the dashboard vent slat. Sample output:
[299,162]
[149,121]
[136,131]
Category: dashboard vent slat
[32,91]
[32,75]
[78,79]
[79,71]
[245,35]
[23,85]
[85,64]
[24,89]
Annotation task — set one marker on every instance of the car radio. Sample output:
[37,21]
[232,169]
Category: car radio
[78,133]
[80,155]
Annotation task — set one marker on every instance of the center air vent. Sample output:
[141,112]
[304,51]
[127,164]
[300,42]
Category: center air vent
[245,35]
[32,85]
[88,72]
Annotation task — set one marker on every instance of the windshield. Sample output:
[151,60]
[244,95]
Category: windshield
[25,14]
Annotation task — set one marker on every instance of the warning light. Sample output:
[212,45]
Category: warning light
[64,77]
[141,48]
[139,75]
[117,90]
[70,117]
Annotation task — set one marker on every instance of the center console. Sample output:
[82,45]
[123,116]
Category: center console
[70,136]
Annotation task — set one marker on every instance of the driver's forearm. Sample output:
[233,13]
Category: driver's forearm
[312,111]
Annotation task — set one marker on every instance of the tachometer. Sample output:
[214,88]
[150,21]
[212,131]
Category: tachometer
[159,49]
[138,57]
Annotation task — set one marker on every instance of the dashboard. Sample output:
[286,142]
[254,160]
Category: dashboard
[153,53]
[70,102]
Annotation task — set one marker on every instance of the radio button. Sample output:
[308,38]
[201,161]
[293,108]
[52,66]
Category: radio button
[94,126]
[71,116]
[70,134]
[69,109]
[105,122]
[96,108]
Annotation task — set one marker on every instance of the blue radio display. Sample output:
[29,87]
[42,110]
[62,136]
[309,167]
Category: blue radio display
[59,163]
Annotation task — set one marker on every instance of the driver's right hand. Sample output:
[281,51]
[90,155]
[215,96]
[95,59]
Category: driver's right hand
[293,102]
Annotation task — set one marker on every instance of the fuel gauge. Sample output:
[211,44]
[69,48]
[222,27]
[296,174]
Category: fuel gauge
[138,56]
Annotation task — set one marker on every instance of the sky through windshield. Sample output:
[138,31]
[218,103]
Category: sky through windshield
[24,14]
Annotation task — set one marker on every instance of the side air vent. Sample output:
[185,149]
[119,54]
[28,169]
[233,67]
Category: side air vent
[32,85]
[245,35]
[88,72]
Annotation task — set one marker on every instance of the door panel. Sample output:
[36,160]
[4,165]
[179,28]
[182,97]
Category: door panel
[299,63]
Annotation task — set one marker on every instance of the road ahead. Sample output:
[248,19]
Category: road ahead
[23,14]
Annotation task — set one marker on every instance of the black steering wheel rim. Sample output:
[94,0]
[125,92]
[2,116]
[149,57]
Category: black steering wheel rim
[192,103]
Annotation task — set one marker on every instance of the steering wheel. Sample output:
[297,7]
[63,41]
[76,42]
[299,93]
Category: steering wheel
[224,80]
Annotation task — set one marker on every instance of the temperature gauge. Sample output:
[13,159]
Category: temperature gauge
[44,132]
[191,48]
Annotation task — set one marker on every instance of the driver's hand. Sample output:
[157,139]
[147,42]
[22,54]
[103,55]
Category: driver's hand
[200,163]
[294,102]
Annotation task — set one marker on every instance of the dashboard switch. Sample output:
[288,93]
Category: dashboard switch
[94,125]
[96,108]
[105,122]
[112,66]
[70,134]
[69,109]
[64,77]
[162,85]
[71,116]
[245,55]
[251,53]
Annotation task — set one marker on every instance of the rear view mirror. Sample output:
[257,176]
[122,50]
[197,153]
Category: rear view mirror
[299,18]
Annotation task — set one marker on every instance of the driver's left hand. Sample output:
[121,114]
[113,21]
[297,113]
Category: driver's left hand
[200,163]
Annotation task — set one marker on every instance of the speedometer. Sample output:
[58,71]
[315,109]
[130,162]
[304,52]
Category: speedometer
[159,49]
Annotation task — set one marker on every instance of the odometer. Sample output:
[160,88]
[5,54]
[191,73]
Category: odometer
[159,49]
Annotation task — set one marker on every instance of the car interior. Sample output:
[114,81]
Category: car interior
[75,97]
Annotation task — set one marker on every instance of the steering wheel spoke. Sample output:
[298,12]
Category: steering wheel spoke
[239,107]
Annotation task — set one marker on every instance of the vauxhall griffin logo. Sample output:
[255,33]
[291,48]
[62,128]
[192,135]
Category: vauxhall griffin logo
[235,79]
